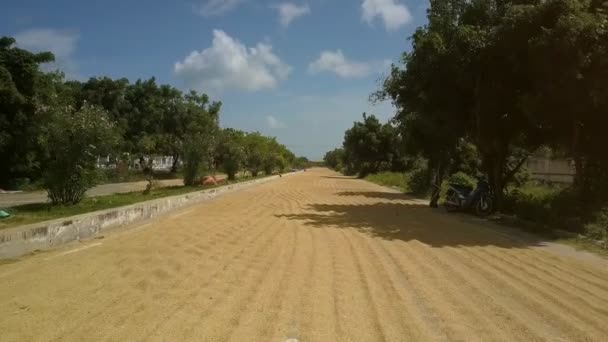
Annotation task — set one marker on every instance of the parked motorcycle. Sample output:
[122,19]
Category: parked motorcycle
[462,197]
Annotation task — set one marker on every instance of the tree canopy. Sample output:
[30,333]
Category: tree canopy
[507,77]
[53,130]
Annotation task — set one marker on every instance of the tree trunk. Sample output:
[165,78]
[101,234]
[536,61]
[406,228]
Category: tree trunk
[437,185]
[174,165]
[507,178]
[494,169]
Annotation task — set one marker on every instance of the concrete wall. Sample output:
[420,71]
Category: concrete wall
[21,240]
[551,170]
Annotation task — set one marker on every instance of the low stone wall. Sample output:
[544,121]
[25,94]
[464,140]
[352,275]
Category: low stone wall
[18,241]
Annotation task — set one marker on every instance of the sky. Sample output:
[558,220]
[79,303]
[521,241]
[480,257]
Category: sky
[298,70]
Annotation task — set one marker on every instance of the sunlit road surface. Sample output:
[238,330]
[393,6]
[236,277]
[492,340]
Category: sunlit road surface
[311,257]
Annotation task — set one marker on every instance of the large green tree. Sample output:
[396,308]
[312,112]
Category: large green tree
[371,146]
[484,72]
[22,87]
[230,151]
[334,158]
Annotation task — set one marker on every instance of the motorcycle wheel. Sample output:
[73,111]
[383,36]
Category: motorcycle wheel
[484,206]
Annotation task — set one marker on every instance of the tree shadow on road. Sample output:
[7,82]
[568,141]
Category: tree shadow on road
[410,221]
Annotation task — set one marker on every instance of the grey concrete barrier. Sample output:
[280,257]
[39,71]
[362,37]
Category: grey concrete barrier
[21,240]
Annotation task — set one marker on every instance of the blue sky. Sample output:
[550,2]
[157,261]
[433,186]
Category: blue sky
[298,70]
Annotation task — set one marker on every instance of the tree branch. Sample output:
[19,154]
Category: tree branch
[517,167]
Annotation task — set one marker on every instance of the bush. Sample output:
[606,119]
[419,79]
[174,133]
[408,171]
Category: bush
[462,179]
[419,182]
[532,203]
[598,228]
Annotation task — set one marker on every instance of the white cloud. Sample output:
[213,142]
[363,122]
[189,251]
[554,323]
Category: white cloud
[393,14]
[216,7]
[289,12]
[337,63]
[61,43]
[273,123]
[229,64]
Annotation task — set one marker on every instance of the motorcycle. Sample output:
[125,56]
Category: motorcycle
[462,197]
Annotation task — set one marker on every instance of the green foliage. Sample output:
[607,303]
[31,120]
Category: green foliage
[419,182]
[150,119]
[334,159]
[534,203]
[301,163]
[75,139]
[478,72]
[597,229]
[22,87]
[462,179]
[389,178]
[230,151]
[195,152]
[370,146]
[257,148]
[154,119]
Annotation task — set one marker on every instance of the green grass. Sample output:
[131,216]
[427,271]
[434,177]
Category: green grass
[38,212]
[392,179]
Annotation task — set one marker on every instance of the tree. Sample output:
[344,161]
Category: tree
[75,139]
[478,73]
[22,85]
[371,146]
[180,115]
[571,104]
[277,157]
[301,163]
[196,130]
[195,151]
[256,149]
[230,151]
[334,159]
[155,119]
[36,107]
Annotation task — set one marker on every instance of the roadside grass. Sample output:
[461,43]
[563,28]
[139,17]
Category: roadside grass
[390,179]
[38,212]
[540,209]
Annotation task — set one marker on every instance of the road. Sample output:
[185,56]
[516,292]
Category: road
[14,199]
[311,257]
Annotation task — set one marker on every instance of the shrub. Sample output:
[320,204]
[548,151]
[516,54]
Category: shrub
[462,179]
[535,203]
[598,228]
[419,182]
